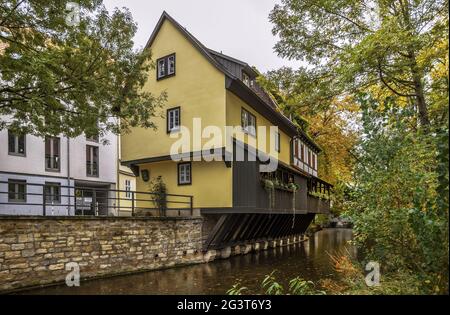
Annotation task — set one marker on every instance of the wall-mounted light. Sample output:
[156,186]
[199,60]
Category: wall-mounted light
[145,175]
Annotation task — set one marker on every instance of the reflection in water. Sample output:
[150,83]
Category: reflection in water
[310,260]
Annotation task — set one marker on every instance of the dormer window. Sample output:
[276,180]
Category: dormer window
[247,80]
[165,67]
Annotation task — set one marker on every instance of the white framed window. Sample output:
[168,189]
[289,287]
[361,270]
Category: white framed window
[52,154]
[248,122]
[52,193]
[171,65]
[17,190]
[165,66]
[184,173]
[16,144]
[173,119]
[127,188]
[161,68]
[247,80]
[92,157]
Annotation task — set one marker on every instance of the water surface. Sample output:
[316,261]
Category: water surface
[309,260]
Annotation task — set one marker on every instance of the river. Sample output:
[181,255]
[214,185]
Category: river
[310,260]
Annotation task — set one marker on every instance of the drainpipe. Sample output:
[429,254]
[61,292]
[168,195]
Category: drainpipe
[68,174]
[117,173]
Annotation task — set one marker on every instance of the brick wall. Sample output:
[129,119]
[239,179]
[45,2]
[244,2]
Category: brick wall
[35,250]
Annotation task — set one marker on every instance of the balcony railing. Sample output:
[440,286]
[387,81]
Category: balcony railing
[19,197]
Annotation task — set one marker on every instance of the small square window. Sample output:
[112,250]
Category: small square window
[165,67]
[17,190]
[173,119]
[184,173]
[52,193]
[247,80]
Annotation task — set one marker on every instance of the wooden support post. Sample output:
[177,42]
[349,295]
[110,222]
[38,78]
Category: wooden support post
[132,203]
[44,197]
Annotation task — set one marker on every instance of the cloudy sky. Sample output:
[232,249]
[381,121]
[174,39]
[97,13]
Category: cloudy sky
[239,28]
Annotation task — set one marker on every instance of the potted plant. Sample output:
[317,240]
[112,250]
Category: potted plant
[159,190]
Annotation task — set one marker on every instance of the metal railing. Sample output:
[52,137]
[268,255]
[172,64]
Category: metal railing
[23,198]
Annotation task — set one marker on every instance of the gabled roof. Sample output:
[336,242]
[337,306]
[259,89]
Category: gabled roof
[234,83]
[191,38]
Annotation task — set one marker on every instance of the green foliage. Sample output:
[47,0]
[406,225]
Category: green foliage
[236,289]
[298,286]
[271,286]
[159,190]
[398,206]
[57,78]
[319,195]
[356,45]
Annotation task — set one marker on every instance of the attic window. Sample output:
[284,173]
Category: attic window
[165,67]
[246,79]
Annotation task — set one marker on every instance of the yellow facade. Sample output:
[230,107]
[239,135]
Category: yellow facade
[211,183]
[234,107]
[124,202]
[198,88]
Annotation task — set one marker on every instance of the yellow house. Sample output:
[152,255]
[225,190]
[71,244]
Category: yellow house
[216,99]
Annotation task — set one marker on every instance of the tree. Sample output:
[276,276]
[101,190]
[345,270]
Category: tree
[353,45]
[327,123]
[399,202]
[61,72]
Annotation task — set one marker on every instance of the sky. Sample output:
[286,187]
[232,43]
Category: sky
[238,28]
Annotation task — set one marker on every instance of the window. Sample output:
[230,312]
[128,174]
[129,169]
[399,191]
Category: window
[173,119]
[246,79]
[277,142]
[17,190]
[296,148]
[248,122]
[52,155]
[314,161]
[309,157]
[302,152]
[171,65]
[16,144]
[91,160]
[127,188]
[165,67]
[184,173]
[52,193]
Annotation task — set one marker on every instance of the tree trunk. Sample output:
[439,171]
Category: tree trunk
[418,90]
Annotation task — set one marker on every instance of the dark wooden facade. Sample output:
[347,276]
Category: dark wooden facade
[250,194]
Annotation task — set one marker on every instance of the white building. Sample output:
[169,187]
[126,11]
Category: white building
[32,168]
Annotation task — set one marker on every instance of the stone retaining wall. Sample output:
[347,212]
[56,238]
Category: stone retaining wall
[35,250]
